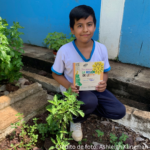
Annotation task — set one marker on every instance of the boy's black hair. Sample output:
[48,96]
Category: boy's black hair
[81,11]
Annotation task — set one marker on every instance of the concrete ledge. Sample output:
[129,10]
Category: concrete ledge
[19,95]
[29,106]
[130,81]
[137,120]
[47,83]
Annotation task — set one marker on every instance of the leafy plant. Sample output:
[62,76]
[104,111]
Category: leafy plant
[118,143]
[61,114]
[43,129]
[10,51]
[100,134]
[55,40]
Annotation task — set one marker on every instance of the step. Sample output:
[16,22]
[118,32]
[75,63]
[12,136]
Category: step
[47,83]
[130,81]
[38,57]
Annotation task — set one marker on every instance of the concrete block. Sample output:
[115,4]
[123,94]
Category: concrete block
[137,120]
[19,95]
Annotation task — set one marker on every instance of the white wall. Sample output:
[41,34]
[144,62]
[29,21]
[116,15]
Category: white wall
[110,25]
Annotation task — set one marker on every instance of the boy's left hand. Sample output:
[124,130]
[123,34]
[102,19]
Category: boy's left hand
[101,87]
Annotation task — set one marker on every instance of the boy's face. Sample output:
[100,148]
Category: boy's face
[84,29]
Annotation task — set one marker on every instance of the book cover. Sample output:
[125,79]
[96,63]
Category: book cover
[87,75]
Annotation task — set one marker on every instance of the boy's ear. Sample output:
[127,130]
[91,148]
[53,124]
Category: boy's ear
[72,30]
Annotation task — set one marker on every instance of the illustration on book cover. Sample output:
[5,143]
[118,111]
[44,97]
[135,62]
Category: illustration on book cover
[87,75]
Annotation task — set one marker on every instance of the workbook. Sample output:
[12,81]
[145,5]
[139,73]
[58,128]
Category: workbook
[87,75]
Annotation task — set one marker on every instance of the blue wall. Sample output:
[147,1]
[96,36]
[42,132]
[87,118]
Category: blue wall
[39,17]
[135,34]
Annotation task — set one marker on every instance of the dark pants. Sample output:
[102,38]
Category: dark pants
[103,104]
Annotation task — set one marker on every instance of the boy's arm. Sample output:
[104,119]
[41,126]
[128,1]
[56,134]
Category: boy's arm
[61,80]
[105,77]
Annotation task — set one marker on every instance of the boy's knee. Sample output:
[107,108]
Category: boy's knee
[122,112]
[90,102]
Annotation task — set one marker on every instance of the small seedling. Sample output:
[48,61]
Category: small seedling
[118,144]
[116,59]
[100,134]
[84,140]
[79,142]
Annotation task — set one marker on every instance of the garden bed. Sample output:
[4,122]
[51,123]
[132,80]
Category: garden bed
[89,127]
[90,138]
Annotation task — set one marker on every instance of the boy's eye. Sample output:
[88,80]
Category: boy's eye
[79,26]
[89,24]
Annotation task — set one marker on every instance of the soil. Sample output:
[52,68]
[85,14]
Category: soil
[90,135]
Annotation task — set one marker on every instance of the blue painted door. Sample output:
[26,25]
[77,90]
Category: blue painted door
[135,34]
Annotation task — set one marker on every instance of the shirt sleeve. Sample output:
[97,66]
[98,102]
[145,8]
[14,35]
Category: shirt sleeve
[105,59]
[58,66]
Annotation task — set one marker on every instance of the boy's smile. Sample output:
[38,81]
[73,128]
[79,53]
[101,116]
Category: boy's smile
[84,29]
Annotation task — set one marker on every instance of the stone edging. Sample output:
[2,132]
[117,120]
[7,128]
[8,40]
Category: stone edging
[19,95]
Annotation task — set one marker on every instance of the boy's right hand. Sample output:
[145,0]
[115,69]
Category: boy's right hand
[74,89]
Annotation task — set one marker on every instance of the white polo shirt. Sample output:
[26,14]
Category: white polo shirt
[69,53]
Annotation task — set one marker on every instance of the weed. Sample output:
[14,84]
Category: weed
[116,59]
[100,134]
[79,142]
[26,130]
[118,143]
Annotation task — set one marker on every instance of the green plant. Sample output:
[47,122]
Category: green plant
[100,134]
[61,114]
[83,140]
[79,142]
[118,143]
[43,129]
[56,39]
[10,51]
[116,59]
[26,130]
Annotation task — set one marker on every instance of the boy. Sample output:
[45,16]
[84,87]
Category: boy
[84,49]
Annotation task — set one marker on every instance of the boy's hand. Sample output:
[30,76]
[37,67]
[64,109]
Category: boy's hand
[101,87]
[74,89]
